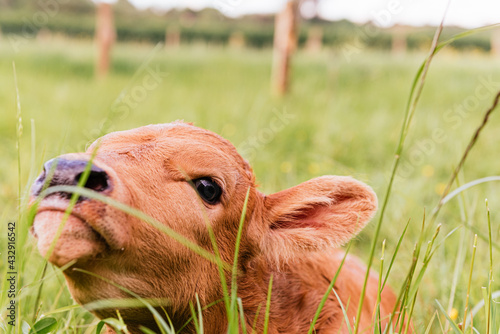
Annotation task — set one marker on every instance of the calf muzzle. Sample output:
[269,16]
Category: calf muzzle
[64,172]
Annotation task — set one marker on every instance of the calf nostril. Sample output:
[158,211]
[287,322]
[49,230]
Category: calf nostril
[97,181]
[68,172]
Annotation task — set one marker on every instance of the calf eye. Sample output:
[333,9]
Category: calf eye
[209,191]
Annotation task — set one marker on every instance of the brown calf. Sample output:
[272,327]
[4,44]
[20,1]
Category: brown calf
[292,235]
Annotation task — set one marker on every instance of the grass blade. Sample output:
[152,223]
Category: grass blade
[413,99]
[19,132]
[327,293]
[395,253]
[474,247]
[242,317]
[471,144]
[454,326]
[346,317]
[134,212]
[159,319]
[490,278]
[234,286]
[378,320]
[468,185]
[268,305]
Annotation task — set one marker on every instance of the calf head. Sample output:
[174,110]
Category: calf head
[191,181]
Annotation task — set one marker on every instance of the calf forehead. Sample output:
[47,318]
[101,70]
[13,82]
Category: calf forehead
[177,146]
[168,137]
[152,133]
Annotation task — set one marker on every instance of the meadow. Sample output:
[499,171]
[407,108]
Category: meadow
[342,116]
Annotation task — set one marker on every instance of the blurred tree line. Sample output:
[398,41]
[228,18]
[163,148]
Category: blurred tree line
[76,18]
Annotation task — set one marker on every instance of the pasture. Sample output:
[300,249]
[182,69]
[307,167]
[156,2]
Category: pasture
[342,117]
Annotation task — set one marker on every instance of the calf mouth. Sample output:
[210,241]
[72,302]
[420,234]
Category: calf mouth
[92,228]
[80,239]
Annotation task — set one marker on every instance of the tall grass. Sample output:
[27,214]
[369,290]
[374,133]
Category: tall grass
[323,138]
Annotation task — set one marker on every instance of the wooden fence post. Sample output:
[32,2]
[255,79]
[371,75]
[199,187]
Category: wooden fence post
[172,37]
[285,43]
[314,41]
[399,40]
[105,36]
[495,42]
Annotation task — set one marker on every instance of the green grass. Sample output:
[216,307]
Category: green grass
[347,114]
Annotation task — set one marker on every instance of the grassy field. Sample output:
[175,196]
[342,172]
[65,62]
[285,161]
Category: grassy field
[343,116]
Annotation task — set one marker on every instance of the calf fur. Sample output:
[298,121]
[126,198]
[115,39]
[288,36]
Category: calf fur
[293,235]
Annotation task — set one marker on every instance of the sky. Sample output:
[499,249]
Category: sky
[384,13]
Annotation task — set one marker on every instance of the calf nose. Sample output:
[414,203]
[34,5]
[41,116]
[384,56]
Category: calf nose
[63,172]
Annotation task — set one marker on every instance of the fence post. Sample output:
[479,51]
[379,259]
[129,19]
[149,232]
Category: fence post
[172,37]
[105,36]
[285,43]
[399,40]
[314,41]
[495,42]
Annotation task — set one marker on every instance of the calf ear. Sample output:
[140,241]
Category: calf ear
[315,215]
